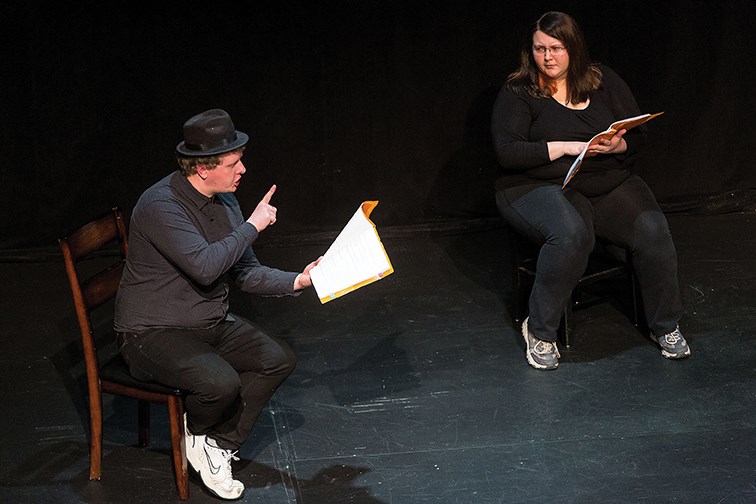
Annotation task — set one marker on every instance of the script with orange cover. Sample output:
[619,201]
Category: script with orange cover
[624,124]
[355,259]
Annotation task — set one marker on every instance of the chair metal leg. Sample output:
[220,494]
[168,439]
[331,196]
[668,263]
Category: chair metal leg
[524,279]
[637,300]
[633,281]
[567,324]
[519,298]
[178,445]
[144,423]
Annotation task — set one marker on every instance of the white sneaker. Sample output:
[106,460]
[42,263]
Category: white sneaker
[213,465]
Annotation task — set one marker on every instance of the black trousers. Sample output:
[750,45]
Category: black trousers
[565,223]
[229,372]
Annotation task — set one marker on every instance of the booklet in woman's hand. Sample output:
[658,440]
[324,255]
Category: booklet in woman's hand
[616,126]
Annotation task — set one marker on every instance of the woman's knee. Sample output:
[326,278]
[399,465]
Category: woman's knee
[579,241]
[652,233]
[572,242]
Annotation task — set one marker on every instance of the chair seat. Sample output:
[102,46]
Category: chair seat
[116,370]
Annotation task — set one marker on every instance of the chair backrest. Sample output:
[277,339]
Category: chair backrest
[104,237]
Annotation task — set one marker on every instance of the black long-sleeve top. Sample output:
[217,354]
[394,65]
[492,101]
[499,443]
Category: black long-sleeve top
[522,125]
[183,246]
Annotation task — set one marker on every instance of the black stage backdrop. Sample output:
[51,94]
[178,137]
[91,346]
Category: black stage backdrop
[345,101]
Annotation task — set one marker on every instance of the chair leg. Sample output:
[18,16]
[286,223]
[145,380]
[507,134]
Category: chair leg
[639,317]
[95,434]
[518,297]
[178,446]
[567,325]
[144,423]
[634,288]
[522,295]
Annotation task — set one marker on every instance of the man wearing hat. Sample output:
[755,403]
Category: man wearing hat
[187,239]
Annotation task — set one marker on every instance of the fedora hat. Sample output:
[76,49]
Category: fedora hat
[209,133]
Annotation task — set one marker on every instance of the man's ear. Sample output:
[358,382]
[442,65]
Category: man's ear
[202,172]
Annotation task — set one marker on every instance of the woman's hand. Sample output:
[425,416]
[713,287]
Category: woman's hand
[559,149]
[615,145]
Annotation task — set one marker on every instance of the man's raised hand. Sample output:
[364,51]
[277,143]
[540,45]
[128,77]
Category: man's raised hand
[264,214]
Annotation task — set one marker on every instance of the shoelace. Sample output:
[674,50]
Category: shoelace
[228,456]
[545,347]
[672,337]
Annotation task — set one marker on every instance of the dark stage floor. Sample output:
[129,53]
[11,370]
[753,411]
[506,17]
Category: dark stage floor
[415,389]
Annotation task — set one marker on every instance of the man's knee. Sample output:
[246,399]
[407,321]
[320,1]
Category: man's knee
[220,385]
[283,360]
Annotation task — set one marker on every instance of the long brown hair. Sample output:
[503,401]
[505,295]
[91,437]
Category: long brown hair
[583,76]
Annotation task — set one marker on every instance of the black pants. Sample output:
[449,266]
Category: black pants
[229,373]
[565,224]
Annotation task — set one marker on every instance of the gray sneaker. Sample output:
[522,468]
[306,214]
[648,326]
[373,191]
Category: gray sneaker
[673,345]
[541,354]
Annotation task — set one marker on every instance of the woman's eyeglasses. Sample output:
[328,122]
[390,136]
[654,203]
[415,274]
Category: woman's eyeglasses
[555,50]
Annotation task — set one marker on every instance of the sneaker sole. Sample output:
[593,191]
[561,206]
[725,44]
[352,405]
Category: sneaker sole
[210,488]
[221,495]
[675,356]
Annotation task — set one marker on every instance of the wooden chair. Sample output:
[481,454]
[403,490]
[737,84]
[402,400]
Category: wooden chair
[112,377]
[602,266]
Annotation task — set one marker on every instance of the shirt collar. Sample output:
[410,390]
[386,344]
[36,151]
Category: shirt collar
[188,191]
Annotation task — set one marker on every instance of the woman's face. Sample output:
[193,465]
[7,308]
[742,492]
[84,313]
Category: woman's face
[550,55]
